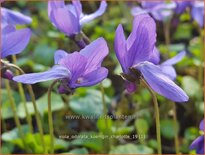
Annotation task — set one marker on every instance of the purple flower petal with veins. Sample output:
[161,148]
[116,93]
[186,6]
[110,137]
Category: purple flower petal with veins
[159,10]
[181,6]
[139,52]
[161,83]
[167,66]
[14,41]
[10,17]
[197,12]
[78,69]
[69,19]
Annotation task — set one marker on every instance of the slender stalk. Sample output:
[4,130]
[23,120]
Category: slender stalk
[50,119]
[200,69]
[3,124]
[167,35]
[167,42]
[157,117]
[23,98]
[85,38]
[107,142]
[38,118]
[176,139]
[13,107]
[37,115]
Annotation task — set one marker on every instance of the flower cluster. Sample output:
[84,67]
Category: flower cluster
[161,11]
[138,53]
[69,18]
[78,69]
[13,41]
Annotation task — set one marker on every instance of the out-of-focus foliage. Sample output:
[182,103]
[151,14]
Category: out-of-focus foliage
[38,56]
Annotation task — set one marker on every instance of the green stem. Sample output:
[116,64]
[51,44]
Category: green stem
[37,115]
[167,35]
[50,119]
[3,124]
[23,98]
[38,118]
[85,38]
[167,42]
[157,117]
[176,139]
[107,141]
[13,107]
[200,70]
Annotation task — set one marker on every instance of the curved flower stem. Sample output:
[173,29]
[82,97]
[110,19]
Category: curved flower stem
[13,107]
[167,42]
[37,115]
[78,39]
[85,38]
[167,35]
[107,142]
[157,117]
[23,98]
[3,124]
[200,69]
[176,140]
[50,119]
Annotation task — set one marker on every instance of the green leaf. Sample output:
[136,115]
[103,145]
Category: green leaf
[56,103]
[42,105]
[43,54]
[124,130]
[141,126]
[89,141]
[131,149]
[89,105]
[6,110]
[190,86]
[78,151]
[106,83]
[61,144]
[13,136]
[101,124]
[167,128]
[184,31]
[153,143]
[7,148]
[191,133]
[177,47]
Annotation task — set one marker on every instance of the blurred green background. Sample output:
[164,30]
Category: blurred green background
[38,56]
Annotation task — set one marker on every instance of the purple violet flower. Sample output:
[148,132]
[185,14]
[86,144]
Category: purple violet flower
[136,56]
[197,12]
[14,41]
[10,17]
[198,144]
[167,66]
[161,11]
[182,5]
[7,74]
[69,18]
[78,69]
